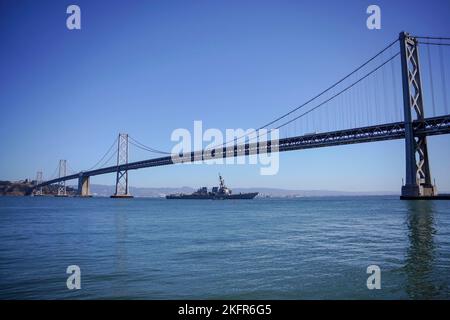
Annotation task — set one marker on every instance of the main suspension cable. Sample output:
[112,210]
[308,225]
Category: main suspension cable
[318,95]
[144,147]
[104,156]
[340,92]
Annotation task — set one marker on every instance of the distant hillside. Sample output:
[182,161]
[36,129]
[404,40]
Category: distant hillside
[274,192]
[19,188]
[106,191]
[25,188]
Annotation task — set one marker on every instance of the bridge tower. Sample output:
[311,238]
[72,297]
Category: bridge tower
[62,173]
[39,180]
[122,173]
[418,176]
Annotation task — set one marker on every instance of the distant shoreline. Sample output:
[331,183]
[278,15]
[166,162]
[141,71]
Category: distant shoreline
[25,188]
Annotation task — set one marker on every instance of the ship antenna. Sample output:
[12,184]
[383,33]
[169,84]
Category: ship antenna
[221,181]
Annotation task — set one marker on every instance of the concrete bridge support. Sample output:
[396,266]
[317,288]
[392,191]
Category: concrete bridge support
[418,176]
[84,186]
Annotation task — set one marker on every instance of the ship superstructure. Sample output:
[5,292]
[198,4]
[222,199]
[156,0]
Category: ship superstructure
[222,192]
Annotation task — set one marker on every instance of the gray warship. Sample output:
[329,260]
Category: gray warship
[217,193]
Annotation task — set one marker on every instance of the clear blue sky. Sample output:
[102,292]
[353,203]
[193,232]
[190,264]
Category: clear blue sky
[149,67]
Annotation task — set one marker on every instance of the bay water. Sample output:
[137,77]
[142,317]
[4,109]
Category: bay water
[302,248]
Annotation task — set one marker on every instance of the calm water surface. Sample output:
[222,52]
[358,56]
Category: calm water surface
[312,248]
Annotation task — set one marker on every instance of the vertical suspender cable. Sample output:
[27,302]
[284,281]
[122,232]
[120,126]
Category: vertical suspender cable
[430,70]
[394,86]
[444,85]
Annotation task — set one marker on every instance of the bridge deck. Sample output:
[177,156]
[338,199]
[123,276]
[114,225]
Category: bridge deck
[391,131]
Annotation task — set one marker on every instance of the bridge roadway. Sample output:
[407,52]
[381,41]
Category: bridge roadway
[390,131]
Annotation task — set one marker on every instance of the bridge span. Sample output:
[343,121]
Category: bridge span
[411,125]
[391,131]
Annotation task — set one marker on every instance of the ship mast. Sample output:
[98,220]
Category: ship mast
[222,182]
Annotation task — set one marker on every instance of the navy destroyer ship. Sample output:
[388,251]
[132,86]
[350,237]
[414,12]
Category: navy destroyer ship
[217,193]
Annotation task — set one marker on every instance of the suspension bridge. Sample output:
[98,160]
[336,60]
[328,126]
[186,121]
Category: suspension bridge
[382,99]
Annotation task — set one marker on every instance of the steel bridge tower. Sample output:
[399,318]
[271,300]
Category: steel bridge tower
[62,173]
[122,174]
[418,176]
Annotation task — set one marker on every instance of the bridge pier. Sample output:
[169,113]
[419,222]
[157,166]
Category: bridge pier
[84,186]
[418,177]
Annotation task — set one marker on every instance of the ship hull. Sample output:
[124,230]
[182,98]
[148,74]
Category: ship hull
[239,196]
